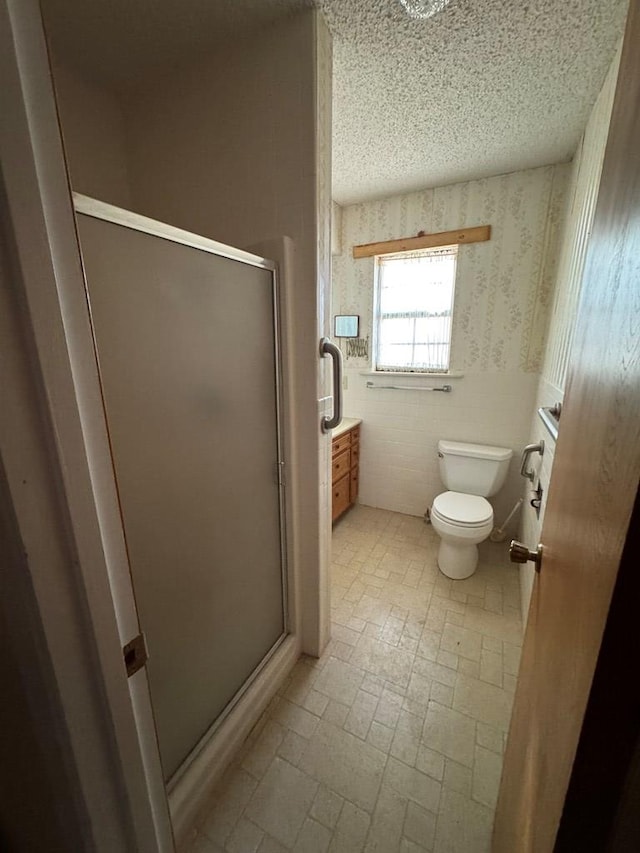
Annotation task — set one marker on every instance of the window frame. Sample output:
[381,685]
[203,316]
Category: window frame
[453,248]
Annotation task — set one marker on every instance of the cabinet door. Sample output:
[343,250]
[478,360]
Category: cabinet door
[355,455]
[353,493]
[341,465]
[340,444]
[340,496]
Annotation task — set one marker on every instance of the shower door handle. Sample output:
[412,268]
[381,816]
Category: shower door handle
[328,348]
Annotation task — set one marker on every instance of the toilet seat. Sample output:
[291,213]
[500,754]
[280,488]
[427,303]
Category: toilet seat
[463,510]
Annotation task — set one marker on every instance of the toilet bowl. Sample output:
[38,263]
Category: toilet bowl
[462,522]
[462,516]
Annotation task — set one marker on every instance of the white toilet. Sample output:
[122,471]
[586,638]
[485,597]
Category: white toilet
[463,517]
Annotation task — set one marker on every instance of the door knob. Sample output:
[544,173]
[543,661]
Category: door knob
[519,553]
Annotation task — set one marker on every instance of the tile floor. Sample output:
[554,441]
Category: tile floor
[393,740]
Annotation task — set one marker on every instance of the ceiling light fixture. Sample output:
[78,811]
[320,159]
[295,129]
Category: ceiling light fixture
[424,8]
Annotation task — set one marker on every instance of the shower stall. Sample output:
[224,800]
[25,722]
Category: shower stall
[186,334]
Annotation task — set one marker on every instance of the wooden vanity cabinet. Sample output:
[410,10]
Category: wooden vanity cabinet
[345,455]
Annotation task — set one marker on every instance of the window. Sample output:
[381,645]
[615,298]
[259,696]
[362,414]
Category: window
[414,305]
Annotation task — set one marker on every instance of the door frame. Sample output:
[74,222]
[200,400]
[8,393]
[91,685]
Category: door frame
[55,411]
[114,749]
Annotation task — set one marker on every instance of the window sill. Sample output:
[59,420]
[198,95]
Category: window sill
[453,374]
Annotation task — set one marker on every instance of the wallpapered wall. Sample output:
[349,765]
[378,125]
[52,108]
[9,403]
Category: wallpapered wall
[323,126]
[503,293]
[581,198]
[503,286]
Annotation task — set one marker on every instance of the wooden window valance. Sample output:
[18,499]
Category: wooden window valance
[479,234]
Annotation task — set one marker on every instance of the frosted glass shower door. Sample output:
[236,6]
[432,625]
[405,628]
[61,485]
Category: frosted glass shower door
[186,340]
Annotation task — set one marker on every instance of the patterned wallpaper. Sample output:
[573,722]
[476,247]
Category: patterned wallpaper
[316,637]
[582,196]
[323,124]
[503,287]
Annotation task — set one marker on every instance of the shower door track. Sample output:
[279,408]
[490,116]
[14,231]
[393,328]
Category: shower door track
[224,714]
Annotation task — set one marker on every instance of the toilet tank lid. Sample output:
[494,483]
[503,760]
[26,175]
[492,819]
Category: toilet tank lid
[477,451]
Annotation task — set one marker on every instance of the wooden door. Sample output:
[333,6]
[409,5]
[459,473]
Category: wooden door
[591,496]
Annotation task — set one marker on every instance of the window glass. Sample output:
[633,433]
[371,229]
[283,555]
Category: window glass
[414,310]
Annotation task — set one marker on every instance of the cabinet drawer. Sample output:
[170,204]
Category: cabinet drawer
[353,491]
[341,443]
[340,497]
[340,465]
[355,434]
[355,455]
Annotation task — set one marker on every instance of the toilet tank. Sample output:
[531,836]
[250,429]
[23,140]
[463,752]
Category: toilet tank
[475,469]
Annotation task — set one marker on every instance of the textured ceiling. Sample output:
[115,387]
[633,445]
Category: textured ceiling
[482,88]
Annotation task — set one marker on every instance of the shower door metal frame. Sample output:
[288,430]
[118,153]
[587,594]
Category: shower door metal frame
[91,207]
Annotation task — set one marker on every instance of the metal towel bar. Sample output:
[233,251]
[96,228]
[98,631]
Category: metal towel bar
[445,388]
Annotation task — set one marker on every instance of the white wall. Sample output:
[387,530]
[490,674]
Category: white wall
[229,148]
[94,137]
[236,147]
[503,292]
[583,194]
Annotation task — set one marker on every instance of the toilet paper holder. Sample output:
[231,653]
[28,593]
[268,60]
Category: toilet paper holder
[529,473]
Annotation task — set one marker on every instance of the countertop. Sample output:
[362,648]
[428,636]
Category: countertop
[345,425]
